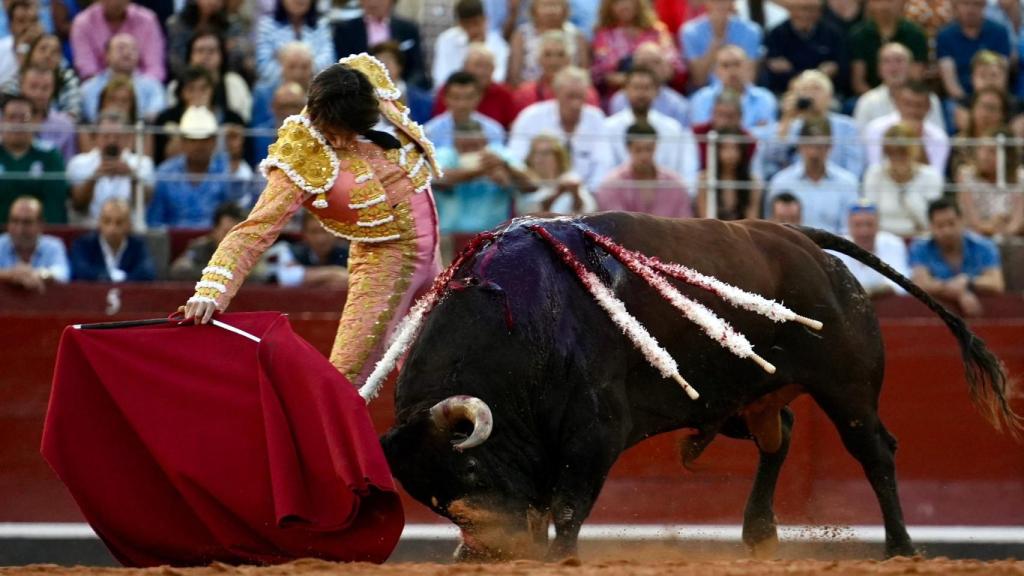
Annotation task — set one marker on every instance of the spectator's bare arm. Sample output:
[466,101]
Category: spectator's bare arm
[950,81]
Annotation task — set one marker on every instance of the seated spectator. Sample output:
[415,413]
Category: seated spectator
[726,116]
[109,171]
[885,24]
[296,62]
[958,42]
[676,150]
[112,253]
[462,98]
[194,89]
[733,71]
[862,223]
[894,62]
[245,183]
[377,24]
[991,207]
[559,189]
[825,190]
[703,38]
[123,60]
[294,21]
[809,96]
[737,191]
[954,264]
[902,186]
[93,28]
[470,27]
[319,259]
[23,16]
[191,185]
[545,15]
[989,71]
[989,111]
[56,129]
[622,27]
[28,258]
[668,101]
[28,167]
[289,100]
[479,184]
[230,91]
[552,56]
[212,16]
[784,208]
[417,99]
[804,42]
[572,120]
[189,265]
[640,185]
[46,53]
[913,102]
[497,102]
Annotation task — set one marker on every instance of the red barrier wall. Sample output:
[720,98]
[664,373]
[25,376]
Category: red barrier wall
[953,468]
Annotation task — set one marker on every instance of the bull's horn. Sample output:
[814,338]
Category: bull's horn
[448,412]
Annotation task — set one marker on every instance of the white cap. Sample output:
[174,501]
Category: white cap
[198,123]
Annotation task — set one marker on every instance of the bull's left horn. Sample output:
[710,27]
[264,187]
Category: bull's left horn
[450,411]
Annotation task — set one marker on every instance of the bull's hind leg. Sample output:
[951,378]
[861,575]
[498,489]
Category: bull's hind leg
[759,529]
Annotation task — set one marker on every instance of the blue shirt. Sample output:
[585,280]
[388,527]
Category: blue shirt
[472,206]
[150,95]
[695,37]
[759,105]
[50,255]
[823,204]
[952,43]
[980,254]
[775,155]
[668,102]
[441,130]
[178,202]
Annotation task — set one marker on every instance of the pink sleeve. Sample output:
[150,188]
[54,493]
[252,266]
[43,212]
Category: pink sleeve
[605,62]
[151,52]
[87,63]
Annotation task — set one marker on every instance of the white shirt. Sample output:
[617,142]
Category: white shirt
[450,53]
[83,166]
[113,260]
[936,142]
[823,204]
[530,202]
[588,146]
[890,249]
[8,60]
[877,102]
[902,208]
[676,149]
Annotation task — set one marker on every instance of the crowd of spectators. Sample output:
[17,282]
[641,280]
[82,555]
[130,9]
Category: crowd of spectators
[855,116]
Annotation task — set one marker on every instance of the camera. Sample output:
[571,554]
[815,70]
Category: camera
[111,151]
[804,103]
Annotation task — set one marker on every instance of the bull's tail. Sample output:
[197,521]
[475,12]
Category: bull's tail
[986,375]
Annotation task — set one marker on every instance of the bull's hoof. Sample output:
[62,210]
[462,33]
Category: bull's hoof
[901,549]
[766,548]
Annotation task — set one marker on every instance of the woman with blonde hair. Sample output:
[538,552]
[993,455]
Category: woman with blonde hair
[902,185]
[622,26]
[559,190]
[525,45]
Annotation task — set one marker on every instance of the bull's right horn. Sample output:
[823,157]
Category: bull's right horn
[452,410]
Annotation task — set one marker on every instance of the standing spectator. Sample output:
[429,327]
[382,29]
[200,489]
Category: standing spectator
[668,101]
[894,61]
[733,71]
[640,185]
[545,15]
[784,208]
[703,37]
[93,28]
[675,147]
[954,264]
[462,97]
[112,253]
[189,265]
[497,102]
[46,53]
[862,223]
[209,15]
[25,166]
[29,258]
[552,57]
[293,21]
[902,185]
[825,190]
[569,117]
[885,24]
[991,207]
[377,25]
[195,89]
[109,171]
[957,44]
[191,185]
[471,26]
[123,60]
[559,189]
[737,190]
[417,99]
[804,42]
[230,91]
[24,30]
[289,100]
[56,129]
[913,103]
[296,62]
[623,25]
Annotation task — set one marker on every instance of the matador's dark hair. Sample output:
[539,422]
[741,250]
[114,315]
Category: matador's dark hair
[344,98]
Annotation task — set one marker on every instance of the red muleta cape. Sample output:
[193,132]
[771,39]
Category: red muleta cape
[185,445]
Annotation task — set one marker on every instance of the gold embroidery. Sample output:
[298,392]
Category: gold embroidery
[304,156]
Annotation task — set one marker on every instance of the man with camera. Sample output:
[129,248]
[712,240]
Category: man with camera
[110,170]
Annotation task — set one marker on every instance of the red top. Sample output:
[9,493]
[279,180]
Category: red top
[496,104]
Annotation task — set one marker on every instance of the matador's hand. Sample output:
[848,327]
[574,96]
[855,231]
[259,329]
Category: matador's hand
[201,310]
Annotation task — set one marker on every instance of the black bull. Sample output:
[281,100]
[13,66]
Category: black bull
[567,393]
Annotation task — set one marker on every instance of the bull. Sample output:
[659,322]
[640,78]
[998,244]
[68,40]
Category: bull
[519,393]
